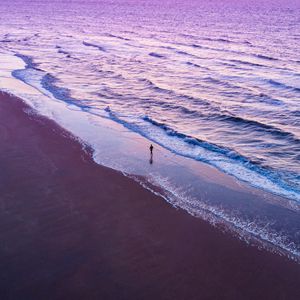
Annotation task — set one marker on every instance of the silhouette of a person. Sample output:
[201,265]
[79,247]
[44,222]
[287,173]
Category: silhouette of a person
[151,154]
[151,149]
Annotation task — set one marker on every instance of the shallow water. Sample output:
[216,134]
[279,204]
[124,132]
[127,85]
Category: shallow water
[218,83]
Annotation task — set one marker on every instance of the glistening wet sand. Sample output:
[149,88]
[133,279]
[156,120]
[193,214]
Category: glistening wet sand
[71,229]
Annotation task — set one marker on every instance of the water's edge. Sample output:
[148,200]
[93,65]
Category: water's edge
[260,234]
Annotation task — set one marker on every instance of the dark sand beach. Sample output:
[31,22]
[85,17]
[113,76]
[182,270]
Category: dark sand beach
[71,229]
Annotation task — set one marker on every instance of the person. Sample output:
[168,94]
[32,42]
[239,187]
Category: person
[151,148]
[151,154]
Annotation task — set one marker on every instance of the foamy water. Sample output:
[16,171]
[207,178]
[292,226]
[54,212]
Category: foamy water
[218,83]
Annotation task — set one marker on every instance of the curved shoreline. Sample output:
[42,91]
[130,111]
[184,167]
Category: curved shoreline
[226,160]
[201,190]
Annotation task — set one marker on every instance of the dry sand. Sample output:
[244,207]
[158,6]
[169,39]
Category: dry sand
[71,229]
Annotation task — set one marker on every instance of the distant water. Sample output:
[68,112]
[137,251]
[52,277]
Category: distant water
[217,82]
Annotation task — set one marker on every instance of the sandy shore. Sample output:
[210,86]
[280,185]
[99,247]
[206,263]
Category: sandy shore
[71,229]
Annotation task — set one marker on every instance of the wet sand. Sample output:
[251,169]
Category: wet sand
[71,229]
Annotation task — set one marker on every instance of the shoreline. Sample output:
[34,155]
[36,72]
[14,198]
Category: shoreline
[71,228]
[252,214]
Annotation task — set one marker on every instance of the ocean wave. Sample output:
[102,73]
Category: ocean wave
[215,112]
[228,153]
[258,126]
[189,63]
[220,82]
[50,83]
[222,40]
[180,52]
[117,37]
[8,38]
[177,51]
[225,159]
[157,55]
[94,45]
[296,113]
[68,55]
[269,100]
[191,140]
[216,39]
[243,62]
[183,53]
[193,64]
[28,60]
[282,85]
[265,57]
[227,41]
[46,82]
[158,89]
[240,53]
[196,46]
[6,41]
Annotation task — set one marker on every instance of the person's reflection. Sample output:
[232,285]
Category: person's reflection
[151,159]
[151,154]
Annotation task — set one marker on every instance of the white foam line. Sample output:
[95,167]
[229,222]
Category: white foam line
[248,231]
